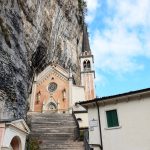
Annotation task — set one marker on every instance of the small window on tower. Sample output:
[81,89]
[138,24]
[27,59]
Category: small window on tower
[87,65]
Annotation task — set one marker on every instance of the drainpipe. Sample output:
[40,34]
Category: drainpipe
[100,130]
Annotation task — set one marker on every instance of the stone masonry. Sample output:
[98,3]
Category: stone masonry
[53,131]
[33,34]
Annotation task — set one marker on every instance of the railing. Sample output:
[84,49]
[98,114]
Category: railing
[86,144]
[86,140]
[77,130]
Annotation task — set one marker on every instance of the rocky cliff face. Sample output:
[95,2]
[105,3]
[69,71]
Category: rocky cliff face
[33,34]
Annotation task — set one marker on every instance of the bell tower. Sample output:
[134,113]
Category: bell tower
[87,67]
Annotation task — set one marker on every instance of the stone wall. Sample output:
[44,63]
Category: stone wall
[33,34]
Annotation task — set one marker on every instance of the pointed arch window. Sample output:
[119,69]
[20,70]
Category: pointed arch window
[87,65]
[64,94]
[38,97]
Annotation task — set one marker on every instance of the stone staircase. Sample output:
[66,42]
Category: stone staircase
[54,131]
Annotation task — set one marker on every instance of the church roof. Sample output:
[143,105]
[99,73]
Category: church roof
[85,45]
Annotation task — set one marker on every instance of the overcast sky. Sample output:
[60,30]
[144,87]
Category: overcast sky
[120,41]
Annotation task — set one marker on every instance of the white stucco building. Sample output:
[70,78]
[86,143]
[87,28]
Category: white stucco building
[13,134]
[120,122]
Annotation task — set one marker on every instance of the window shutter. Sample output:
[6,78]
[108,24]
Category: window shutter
[112,118]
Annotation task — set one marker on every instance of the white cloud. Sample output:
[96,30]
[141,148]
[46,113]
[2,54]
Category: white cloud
[100,79]
[92,6]
[131,12]
[124,38]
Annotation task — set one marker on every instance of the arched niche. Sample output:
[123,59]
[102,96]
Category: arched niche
[15,143]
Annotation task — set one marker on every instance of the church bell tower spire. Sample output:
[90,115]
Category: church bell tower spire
[87,67]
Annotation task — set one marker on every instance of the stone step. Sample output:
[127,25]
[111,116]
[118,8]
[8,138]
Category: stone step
[63,146]
[56,127]
[52,136]
[54,140]
[49,115]
[54,131]
[52,124]
[70,142]
[52,120]
[62,149]
[38,127]
[60,146]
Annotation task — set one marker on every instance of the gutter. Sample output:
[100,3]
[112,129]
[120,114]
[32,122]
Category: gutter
[131,94]
[100,130]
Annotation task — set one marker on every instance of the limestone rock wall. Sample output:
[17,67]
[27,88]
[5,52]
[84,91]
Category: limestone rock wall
[33,34]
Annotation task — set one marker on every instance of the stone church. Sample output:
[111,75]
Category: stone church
[54,88]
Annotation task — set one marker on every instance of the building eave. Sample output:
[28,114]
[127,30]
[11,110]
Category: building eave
[12,124]
[115,98]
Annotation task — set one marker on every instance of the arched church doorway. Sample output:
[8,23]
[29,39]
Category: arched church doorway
[52,106]
[15,143]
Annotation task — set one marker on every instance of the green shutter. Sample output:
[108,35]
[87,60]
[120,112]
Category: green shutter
[112,118]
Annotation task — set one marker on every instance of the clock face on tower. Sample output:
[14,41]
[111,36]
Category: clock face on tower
[52,87]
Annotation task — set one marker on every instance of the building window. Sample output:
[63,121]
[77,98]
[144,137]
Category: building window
[64,94]
[79,119]
[87,65]
[52,87]
[38,96]
[112,118]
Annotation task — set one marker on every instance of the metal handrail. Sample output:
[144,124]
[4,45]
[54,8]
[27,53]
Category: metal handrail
[86,140]
[86,144]
[77,131]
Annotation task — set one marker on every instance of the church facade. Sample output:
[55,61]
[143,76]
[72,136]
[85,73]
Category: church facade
[54,89]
